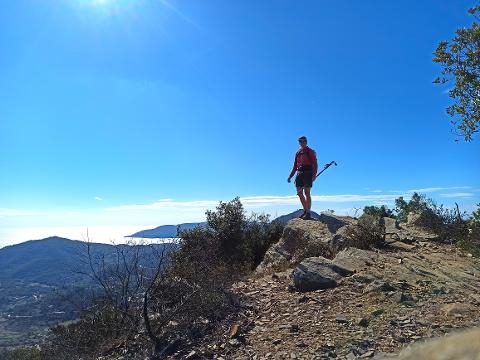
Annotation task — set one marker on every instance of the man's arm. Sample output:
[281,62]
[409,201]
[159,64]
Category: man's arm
[294,169]
[315,164]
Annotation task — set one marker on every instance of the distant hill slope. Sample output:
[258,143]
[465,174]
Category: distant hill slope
[170,231]
[166,231]
[39,278]
[52,261]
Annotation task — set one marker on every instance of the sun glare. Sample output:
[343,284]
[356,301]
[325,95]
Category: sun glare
[107,8]
[105,3]
[101,2]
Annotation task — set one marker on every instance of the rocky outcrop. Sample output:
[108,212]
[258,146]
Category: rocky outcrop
[316,273]
[409,290]
[407,232]
[301,239]
[330,235]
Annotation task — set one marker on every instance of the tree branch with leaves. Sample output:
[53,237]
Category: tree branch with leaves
[460,59]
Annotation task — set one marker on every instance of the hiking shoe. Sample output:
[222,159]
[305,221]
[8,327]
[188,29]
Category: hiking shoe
[307,216]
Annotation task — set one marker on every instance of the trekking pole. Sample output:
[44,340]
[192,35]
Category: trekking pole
[326,167]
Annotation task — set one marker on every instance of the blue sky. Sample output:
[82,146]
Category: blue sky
[126,114]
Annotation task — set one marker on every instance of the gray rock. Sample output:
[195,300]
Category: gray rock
[318,273]
[339,242]
[424,219]
[402,297]
[300,239]
[363,322]
[333,222]
[391,225]
[379,286]
[355,259]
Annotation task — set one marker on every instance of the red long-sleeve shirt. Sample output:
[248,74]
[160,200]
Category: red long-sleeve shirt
[305,157]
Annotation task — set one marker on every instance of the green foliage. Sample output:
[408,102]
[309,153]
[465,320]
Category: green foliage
[471,243]
[240,240]
[475,220]
[460,59]
[27,353]
[260,233]
[472,247]
[378,211]
[448,223]
[229,224]
[417,204]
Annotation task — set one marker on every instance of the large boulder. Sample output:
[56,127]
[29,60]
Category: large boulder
[300,239]
[318,273]
[464,345]
[426,219]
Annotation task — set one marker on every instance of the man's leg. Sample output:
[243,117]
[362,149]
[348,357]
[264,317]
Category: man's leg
[308,199]
[302,198]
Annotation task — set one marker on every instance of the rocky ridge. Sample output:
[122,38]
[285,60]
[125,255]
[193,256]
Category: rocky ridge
[377,302]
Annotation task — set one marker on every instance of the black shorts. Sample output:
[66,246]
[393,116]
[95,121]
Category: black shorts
[304,179]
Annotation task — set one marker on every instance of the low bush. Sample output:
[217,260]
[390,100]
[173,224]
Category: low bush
[449,224]
[369,232]
[27,353]
[238,240]
[471,242]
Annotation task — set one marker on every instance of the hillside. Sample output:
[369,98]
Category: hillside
[51,261]
[314,298]
[38,278]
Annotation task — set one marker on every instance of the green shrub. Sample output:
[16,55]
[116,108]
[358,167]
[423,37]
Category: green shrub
[378,211]
[260,234]
[228,223]
[471,242]
[417,204]
[449,224]
[475,219]
[240,241]
[470,246]
[369,232]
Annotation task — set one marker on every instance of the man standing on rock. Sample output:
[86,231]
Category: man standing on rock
[305,165]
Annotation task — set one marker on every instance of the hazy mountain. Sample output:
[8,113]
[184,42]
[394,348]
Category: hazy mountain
[166,231]
[49,261]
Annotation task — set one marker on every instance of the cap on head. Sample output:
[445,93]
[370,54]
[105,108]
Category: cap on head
[302,138]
